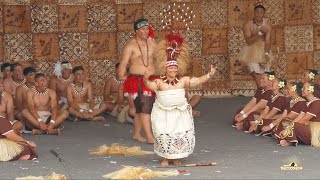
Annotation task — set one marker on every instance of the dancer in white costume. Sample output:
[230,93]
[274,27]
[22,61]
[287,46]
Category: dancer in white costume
[171,116]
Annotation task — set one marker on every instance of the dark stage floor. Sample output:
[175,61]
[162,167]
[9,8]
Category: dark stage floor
[239,155]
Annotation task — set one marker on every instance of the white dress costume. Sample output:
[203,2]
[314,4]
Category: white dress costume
[172,124]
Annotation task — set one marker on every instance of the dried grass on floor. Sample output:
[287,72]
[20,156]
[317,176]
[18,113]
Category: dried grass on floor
[130,172]
[53,176]
[116,149]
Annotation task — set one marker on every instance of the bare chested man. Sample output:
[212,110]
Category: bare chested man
[60,81]
[21,92]
[257,33]
[5,70]
[11,84]
[138,53]
[80,98]
[42,104]
[110,94]
[7,109]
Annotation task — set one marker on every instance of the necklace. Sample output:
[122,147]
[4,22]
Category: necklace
[78,93]
[274,97]
[142,54]
[312,100]
[293,101]
[65,80]
[40,93]
[259,26]
[166,80]
[2,94]
[18,84]
[25,87]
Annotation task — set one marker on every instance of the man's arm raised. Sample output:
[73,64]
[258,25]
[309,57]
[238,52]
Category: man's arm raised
[125,58]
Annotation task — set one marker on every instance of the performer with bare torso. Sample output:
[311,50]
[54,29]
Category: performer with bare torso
[80,98]
[5,70]
[11,84]
[60,81]
[257,33]
[138,53]
[42,104]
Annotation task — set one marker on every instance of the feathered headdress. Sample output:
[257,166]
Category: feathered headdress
[172,51]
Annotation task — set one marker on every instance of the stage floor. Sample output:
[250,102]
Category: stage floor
[239,155]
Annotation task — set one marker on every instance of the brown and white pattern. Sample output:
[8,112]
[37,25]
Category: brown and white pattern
[17,47]
[73,46]
[298,38]
[1,48]
[1,18]
[73,18]
[101,18]
[122,39]
[72,2]
[16,2]
[102,45]
[235,41]
[44,18]
[215,41]
[193,37]
[297,63]
[16,19]
[100,71]
[44,67]
[151,11]
[316,11]
[127,14]
[46,47]
[298,12]
[239,12]
[274,11]
[214,13]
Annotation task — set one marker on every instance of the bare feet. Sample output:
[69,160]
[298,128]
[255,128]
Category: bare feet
[53,132]
[239,126]
[195,113]
[150,140]
[139,138]
[99,118]
[37,132]
[165,162]
[25,157]
[284,143]
[176,162]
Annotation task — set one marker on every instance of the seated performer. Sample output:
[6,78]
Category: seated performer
[294,110]
[125,108]
[5,70]
[7,109]
[11,84]
[310,75]
[276,105]
[80,98]
[257,103]
[12,145]
[42,114]
[59,82]
[21,92]
[171,117]
[110,95]
[307,129]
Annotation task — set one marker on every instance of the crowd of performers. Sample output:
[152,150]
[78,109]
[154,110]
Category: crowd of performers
[149,90]
[290,122]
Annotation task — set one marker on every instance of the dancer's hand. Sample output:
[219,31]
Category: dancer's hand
[239,118]
[213,70]
[147,74]
[122,78]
